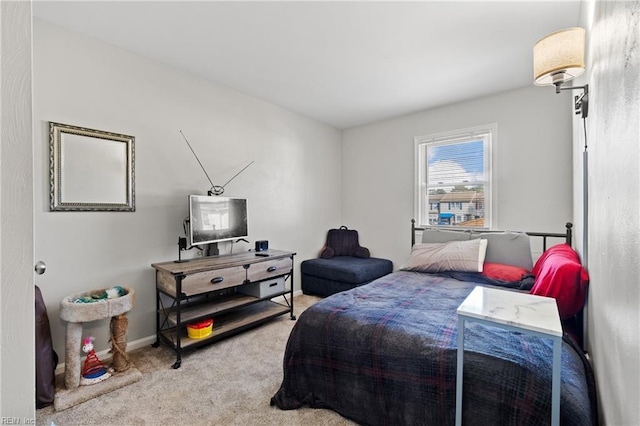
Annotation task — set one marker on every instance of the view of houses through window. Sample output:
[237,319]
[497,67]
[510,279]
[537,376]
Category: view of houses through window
[454,178]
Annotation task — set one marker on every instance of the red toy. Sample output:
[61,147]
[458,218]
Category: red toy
[93,370]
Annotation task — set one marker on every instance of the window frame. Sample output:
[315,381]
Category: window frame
[489,134]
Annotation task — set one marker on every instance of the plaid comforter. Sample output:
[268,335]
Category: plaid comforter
[385,354]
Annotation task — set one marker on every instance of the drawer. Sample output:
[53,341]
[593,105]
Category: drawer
[264,288]
[217,279]
[269,269]
[166,282]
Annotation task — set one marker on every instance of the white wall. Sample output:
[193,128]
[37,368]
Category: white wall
[17,373]
[613,132]
[293,189]
[532,157]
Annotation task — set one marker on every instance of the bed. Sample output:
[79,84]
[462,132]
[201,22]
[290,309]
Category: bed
[385,353]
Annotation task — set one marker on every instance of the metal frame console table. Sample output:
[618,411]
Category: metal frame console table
[234,290]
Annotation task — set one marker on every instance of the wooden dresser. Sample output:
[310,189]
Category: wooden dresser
[235,291]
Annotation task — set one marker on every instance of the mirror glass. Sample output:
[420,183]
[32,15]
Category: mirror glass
[92,170]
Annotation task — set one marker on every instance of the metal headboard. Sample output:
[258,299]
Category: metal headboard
[567,235]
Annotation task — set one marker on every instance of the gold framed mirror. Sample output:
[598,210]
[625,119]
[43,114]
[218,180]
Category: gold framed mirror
[90,170]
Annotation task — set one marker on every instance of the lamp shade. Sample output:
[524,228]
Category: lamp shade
[559,57]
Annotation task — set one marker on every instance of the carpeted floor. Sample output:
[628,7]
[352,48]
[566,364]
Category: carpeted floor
[227,383]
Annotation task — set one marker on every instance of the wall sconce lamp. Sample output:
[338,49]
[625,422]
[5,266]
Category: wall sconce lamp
[558,58]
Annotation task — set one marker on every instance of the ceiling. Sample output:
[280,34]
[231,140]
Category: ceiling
[341,63]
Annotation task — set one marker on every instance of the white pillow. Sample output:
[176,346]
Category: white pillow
[462,256]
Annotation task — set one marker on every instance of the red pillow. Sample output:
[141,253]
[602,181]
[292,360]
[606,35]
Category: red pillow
[500,271]
[559,274]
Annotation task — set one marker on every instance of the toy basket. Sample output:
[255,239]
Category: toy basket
[199,330]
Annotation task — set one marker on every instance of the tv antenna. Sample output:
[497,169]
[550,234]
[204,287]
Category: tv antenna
[215,189]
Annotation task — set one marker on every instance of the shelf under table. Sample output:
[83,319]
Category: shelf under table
[226,324]
[207,308]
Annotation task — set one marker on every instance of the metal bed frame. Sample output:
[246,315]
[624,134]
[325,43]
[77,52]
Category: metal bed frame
[567,235]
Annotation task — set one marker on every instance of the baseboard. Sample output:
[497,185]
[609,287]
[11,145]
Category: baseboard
[149,340]
[106,355]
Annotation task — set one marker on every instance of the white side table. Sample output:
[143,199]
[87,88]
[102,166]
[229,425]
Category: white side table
[511,310]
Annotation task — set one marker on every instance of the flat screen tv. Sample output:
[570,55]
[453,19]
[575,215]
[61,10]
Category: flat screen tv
[213,219]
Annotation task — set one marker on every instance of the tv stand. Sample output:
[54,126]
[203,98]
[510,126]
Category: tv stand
[234,290]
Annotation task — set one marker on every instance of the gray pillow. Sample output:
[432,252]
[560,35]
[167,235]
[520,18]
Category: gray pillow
[509,248]
[430,236]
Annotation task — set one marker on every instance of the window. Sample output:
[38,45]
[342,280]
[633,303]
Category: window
[453,178]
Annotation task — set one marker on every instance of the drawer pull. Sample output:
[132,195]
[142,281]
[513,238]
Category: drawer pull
[271,268]
[217,280]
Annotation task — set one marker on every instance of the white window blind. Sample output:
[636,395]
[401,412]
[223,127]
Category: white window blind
[453,178]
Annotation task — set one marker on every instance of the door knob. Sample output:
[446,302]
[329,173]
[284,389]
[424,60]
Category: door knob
[41,267]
